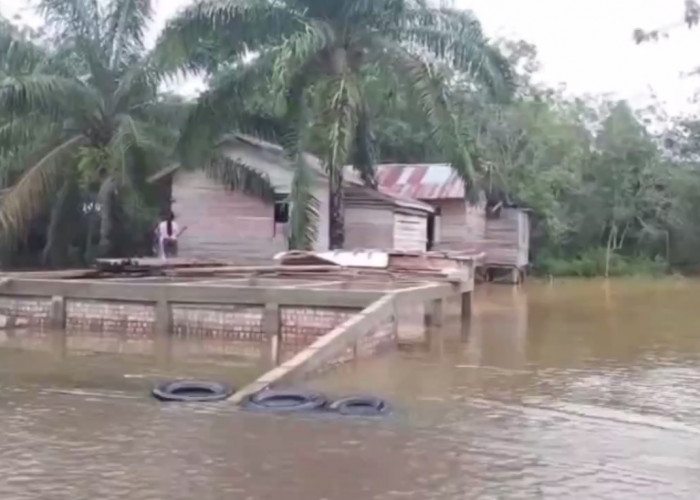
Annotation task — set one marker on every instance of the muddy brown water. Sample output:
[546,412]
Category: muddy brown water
[571,390]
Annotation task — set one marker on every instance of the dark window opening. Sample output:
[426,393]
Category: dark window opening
[431,232]
[281,209]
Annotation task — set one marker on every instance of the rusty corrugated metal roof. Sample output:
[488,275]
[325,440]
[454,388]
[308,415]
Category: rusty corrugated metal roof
[421,181]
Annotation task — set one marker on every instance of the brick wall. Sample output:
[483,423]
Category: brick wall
[24,311]
[224,330]
[381,339]
[225,323]
[134,321]
[301,327]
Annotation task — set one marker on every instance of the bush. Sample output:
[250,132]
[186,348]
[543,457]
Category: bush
[591,263]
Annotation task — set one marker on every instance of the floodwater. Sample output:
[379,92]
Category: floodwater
[571,390]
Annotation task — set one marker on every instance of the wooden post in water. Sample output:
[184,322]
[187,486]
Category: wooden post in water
[435,313]
[466,307]
[163,329]
[272,328]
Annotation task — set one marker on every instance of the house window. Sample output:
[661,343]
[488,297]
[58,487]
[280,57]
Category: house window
[281,209]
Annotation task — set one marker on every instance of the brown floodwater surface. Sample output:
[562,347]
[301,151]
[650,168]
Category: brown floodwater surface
[571,390]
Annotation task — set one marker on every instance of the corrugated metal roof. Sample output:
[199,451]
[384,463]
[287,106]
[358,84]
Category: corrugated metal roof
[421,181]
[364,193]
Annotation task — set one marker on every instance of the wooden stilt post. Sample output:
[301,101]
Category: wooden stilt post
[466,306]
[272,328]
[435,313]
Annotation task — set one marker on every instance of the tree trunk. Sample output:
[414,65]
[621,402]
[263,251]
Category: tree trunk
[105,199]
[609,249]
[336,208]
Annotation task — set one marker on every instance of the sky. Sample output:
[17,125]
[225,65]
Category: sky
[585,44]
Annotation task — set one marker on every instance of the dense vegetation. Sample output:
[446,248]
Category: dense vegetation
[613,190]
[81,127]
[315,61]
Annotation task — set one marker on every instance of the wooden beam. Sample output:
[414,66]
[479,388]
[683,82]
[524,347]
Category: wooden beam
[193,294]
[324,349]
[314,284]
[425,293]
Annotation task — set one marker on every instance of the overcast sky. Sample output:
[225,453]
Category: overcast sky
[586,44]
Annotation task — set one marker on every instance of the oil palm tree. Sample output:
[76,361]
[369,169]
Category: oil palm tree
[315,56]
[81,121]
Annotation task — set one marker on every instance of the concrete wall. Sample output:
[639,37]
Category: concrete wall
[236,330]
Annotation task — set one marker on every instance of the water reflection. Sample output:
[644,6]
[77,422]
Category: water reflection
[571,390]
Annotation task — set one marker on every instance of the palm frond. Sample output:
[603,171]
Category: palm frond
[379,14]
[304,205]
[39,93]
[453,137]
[237,176]
[138,84]
[363,153]
[345,103]
[20,131]
[29,196]
[301,51]
[17,54]
[224,109]
[133,142]
[456,36]
[127,21]
[218,30]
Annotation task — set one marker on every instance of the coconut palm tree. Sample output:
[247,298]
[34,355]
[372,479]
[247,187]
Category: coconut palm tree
[315,56]
[81,122]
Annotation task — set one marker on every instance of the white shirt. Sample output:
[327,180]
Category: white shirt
[163,230]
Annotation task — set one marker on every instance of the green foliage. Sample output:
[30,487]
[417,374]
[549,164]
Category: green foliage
[322,56]
[607,195]
[80,115]
[592,263]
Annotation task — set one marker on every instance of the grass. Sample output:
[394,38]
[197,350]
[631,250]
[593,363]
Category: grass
[591,263]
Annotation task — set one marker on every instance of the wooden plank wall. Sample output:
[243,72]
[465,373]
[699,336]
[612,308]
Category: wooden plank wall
[476,223]
[410,232]
[453,218]
[369,227]
[507,239]
[462,227]
[223,224]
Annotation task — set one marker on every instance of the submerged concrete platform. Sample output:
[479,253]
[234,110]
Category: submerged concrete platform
[297,319]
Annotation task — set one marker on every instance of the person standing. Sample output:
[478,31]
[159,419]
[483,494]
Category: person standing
[168,233]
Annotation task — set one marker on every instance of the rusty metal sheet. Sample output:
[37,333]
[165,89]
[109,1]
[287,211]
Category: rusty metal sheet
[421,181]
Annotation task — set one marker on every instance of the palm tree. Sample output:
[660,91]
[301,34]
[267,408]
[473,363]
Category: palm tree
[81,123]
[315,56]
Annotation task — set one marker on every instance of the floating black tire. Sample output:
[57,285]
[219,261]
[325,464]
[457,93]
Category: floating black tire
[286,401]
[187,391]
[360,406]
